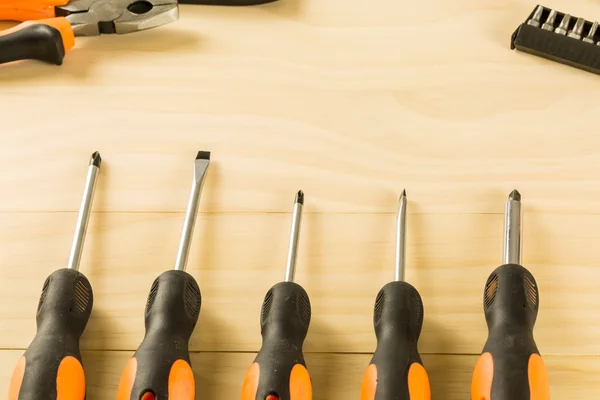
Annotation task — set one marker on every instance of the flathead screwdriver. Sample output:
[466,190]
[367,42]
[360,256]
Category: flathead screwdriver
[510,366]
[51,367]
[279,370]
[396,371]
[161,368]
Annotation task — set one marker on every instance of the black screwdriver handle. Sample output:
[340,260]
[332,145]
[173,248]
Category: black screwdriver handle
[51,367]
[396,371]
[510,367]
[161,368]
[279,370]
[43,40]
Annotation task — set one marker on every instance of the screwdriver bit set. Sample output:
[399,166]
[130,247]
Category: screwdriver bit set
[560,37]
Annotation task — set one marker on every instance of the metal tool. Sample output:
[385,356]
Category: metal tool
[577,29]
[53,24]
[51,367]
[550,21]
[537,17]
[563,27]
[279,370]
[591,34]
[510,366]
[396,370]
[161,367]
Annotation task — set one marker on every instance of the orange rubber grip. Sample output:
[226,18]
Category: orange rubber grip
[299,384]
[537,377]
[180,383]
[70,380]
[28,10]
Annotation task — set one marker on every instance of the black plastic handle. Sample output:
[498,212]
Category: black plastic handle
[162,362]
[284,320]
[511,302]
[398,320]
[52,363]
[32,42]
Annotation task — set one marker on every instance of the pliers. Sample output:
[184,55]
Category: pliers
[49,26]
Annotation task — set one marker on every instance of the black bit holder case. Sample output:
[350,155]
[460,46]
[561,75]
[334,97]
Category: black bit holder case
[557,47]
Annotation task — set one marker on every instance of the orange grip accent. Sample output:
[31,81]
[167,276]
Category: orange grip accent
[418,383]
[481,386]
[70,380]
[539,383]
[182,385]
[17,379]
[300,383]
[250,386]
[30,10]
[60,24]
[369,383]
[127,380]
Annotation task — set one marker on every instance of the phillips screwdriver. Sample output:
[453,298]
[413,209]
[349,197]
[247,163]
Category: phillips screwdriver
[396,371]
[279,370]
[160,368]
[51,367]
[510,366]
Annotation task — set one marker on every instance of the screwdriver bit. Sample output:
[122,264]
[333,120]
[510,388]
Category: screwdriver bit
[564,25]
[590,37]
[550,21]
[578,29]
[537,17]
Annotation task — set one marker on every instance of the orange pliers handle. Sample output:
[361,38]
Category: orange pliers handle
[42,36]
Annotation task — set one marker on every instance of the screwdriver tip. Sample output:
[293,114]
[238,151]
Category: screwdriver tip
[203,155]
[96,160]
[403,193]
[514,195]
[300,197]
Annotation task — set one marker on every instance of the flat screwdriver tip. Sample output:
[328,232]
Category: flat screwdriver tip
[96,160]
[299,197]
[514,195]
[203,155]
[403,193]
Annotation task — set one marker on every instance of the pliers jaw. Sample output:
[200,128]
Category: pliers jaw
[95,17]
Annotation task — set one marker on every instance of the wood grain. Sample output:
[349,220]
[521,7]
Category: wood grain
[344,260]
[350,101]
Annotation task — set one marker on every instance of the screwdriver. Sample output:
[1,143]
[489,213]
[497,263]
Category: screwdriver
[396,371]
[51,367]
[279,370]
[510,366]
[161,368]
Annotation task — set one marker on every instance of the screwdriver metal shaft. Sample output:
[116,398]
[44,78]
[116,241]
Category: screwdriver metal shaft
[51,367]
[84,211]
[171,315]
[279,371]
[511,302]
[401,238]
[512,229]
[201,165]
[290,270]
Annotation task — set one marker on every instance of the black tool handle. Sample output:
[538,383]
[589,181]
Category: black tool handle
[510,367]
[279,369]
[32,41]
[396,371]
[51,366]
[161,365]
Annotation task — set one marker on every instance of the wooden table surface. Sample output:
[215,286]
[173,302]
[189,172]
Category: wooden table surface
[351,101]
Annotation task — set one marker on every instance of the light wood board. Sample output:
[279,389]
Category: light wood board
[351,101]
